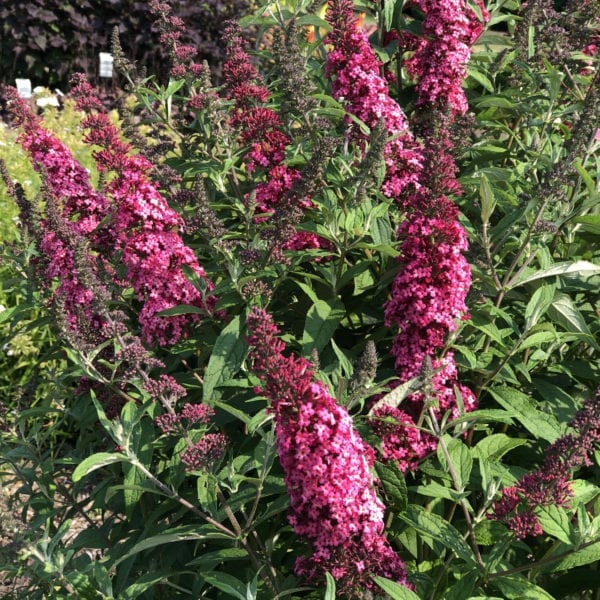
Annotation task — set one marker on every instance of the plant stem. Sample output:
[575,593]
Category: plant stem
[542,561]
[179,499]
[458,487]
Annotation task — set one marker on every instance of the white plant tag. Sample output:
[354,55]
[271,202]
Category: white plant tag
[24,87]
[106,64]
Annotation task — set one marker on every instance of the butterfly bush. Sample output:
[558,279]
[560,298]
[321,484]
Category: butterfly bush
[440,59]
[261,128]
[76,211]
[144,229]
[354,70]
[327,466]
[428,295]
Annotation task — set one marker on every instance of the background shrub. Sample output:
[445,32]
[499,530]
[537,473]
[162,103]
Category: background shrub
[49,40]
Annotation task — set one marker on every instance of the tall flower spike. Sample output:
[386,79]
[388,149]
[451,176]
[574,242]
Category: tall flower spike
[440,60]
[73,214]
[172,29]
[428,294]
[261,129]
[354,70]
[144,230]
[327,465]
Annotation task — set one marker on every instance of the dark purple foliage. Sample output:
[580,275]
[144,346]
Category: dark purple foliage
[49,40]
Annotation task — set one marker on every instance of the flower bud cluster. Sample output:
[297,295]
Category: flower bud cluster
[550,485]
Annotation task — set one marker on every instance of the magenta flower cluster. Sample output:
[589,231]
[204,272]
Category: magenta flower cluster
[79,208]
[428,295]
[172,30]
[206,452]
[261,129]
[327,466]
[402,442]
[144,230]
[440,59]
[132,220]
[550,485]
[356,82]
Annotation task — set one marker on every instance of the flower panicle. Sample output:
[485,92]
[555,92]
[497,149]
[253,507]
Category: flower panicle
[261,130]
[327,465]
[145,229]
[354,70]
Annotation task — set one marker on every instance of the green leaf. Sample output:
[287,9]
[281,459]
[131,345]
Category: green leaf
[438,529]
[495,101]
[488,202]
[538,338]
[96,461]
[226,583]
[226,359]
[489,415]
[211,559]
[436,490]
[581,268]
[495,446]
[144,583]
[394,487]
[519,588]
[461,459]
[346,365]
[483,324]
[315,21]
[480,78]
[321,322]
[180,309]
[530,41]
[170,536]
[555,521]
[232,410]
[584,556]
[538,423]
[7,313]
[463,588]
[564,312]
[388,14]
[330,589]
[590,223]
[307,290]
[538,304]
[394,590]
[489,533]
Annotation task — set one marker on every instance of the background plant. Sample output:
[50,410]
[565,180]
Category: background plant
[49,41]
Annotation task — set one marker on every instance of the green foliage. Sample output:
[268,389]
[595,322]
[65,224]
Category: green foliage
[147,527]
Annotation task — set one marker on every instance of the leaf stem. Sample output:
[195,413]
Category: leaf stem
[458,487]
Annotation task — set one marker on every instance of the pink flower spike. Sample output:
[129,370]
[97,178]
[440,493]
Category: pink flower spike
[327,469]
